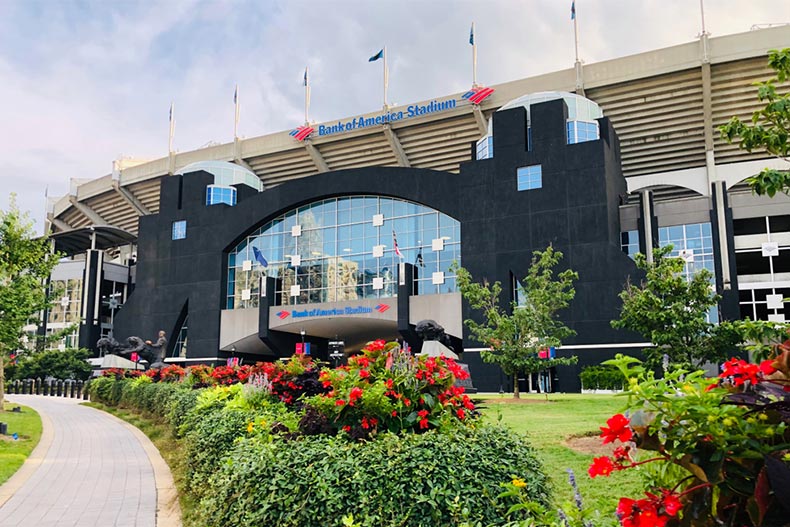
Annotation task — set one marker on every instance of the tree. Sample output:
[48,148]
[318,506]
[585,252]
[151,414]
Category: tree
[517,335]
[67,364]
[769,129]
[25,262]
[672,312]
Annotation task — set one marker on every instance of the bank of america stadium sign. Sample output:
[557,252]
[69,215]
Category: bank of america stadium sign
[349,310]
[475,96]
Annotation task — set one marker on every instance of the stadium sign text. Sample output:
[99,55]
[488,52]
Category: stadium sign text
[413,110]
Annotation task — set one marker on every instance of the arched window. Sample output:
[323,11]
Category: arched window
[341,249]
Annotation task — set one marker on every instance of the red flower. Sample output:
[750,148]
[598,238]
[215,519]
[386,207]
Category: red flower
[354,394]
[601,466]
[364,374]
[739,372]
[376,345]
[618,429]
[460,413]
[394,413]
[767,367]
[424,418]
[340,402]
[653,511]
[347,428]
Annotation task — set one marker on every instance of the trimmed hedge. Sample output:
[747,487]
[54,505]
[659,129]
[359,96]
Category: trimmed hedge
[421,480]
[601,378]
[248,465]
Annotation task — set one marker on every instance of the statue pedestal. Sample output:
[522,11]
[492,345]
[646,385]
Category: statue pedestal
[434,348]
[116,361]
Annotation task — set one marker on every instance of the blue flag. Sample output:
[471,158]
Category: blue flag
[573,10]
[236,95]
[472,35]
[305,76]
[377,56]
[259,257]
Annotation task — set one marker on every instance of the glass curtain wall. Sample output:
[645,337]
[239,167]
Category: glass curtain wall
[343,249]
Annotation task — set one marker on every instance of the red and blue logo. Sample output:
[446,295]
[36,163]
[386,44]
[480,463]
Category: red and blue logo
[478,95]
[381,308]
[282,315]
[302,132]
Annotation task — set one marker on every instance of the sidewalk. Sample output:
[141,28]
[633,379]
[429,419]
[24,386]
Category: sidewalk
[95,472]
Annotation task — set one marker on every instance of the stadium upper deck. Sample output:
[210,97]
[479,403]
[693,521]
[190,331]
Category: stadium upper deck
[664,104]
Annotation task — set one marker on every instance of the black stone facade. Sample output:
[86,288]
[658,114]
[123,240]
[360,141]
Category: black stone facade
[576,210]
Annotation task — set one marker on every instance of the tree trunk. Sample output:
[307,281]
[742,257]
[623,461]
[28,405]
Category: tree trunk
[2,380]
[516,394]
[529,384]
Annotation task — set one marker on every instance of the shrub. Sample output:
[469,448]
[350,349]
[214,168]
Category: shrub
[601,378]
[67,364]
[385,388]
[717,447]
[426,479]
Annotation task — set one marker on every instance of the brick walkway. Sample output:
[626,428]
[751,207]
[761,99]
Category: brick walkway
[95,472]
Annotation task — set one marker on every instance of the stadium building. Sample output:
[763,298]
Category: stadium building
[347,230]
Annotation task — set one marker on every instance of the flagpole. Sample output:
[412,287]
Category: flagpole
[236,119]
[474,57]
[172,128]
[386,77]
[306,97]
[702,11]
[576,33]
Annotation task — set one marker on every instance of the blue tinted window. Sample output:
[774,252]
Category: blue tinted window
[216,195]
[485,148]
[629,241]
[179,230]
[581,131]
[529,178]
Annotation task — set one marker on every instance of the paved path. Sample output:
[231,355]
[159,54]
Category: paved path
[95,472]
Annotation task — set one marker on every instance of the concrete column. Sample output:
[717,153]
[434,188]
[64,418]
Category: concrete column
[90,328]
[646,202]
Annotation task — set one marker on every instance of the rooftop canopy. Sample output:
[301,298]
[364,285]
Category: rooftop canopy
[77,241]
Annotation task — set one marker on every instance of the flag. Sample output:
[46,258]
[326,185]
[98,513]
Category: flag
[573,10]
[305,76]
[170,118]
[395,245]
[236,95]
[472,34]
[419,261]
[259,256]
[377,56]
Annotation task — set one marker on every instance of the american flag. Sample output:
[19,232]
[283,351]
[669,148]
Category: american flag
[395,245]
[573,10]
[478,95]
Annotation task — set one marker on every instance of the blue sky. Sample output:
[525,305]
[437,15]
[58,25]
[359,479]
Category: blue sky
[86,82]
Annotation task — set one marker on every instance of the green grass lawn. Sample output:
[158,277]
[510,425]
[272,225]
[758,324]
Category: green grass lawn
[549,425]
[27,424]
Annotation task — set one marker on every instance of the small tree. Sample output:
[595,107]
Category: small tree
[25,262]
[770,127]
[67,364]
[672,312]
[516,335]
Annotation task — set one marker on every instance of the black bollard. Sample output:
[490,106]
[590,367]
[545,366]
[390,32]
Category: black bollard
[79,389]
[85,389]
[72,388]
[38,386]
[59,384]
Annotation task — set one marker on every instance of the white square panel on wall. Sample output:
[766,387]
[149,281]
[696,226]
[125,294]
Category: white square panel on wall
[775,301]
[296,230]
[687,255]
[378,283]
[776,318]
[378,220]
[295,290]
[378,251]
[246,265]
[437,244]
[437,278]
[296,260]
[770,249]
[245,294]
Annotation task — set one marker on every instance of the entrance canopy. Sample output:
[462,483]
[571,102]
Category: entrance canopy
[77,241]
